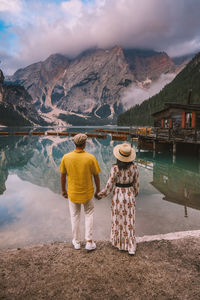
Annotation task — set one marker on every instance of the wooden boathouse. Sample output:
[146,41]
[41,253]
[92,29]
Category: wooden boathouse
[176,127]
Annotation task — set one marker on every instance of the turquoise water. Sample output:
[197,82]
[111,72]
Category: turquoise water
[32,209]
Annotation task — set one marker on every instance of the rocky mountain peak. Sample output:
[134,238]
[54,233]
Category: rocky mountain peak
[91,85]
[53,64]
[118,50]
[148,63]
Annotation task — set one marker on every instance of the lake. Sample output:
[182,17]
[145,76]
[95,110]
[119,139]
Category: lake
[32,209]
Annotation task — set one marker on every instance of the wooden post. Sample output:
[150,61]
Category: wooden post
[199,157]
[154,145]
[199,152]
[169,133]
[174,152]
[187,198]
[154,149]
[174,148]
[186,212]
[131,142]
[138,146]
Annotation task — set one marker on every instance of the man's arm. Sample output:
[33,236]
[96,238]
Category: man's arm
[97,183]
[63,185]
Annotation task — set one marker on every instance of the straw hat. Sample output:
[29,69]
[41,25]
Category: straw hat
[124,152]
[80,139]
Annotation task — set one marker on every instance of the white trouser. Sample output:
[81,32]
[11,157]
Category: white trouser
[75,213]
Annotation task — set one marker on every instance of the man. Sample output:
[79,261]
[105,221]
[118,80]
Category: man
[80,167]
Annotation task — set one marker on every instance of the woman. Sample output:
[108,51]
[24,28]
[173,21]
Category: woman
[124,179]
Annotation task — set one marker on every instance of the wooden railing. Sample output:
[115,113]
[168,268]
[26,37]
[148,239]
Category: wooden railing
[188,135]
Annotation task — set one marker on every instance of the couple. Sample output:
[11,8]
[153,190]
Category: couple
[80,167]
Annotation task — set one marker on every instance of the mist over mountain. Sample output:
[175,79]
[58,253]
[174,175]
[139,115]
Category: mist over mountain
[90,89]
[176,91]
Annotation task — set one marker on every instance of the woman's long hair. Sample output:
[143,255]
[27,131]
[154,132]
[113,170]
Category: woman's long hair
[123,165]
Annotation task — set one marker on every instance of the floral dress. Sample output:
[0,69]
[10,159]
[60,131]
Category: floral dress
[123,206]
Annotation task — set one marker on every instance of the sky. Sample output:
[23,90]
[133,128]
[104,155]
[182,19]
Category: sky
[31,30]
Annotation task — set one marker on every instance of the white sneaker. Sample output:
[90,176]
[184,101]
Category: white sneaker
[90,246]
[131,252]
[76,245]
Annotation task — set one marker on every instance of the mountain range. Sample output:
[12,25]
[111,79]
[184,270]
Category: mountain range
[85,90]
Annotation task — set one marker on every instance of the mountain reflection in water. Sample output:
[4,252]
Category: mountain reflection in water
[32,209]
[37,160]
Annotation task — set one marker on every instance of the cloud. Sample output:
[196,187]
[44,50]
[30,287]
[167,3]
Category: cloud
[136,95]
[11,6]
[69,27]
[73,7]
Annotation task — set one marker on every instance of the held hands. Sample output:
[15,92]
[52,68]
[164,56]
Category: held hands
[64,194]
[96,196]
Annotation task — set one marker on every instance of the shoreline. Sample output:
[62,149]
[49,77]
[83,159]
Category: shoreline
[146,238]
[160,269]
[169,236]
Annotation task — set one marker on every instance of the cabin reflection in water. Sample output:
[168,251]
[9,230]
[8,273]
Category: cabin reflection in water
[178,182]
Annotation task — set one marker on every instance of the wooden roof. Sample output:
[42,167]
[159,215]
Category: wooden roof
[182,106]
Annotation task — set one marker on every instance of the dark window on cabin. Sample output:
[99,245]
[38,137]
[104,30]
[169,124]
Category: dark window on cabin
[157,123]
[188,120]
[176,121]
[166,123]
[198,120]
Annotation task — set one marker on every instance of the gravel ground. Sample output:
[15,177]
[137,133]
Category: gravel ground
[159,270]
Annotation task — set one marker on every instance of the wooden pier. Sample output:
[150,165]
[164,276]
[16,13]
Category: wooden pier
[95,135]
[159,139]
[112,131]
[63,133]
[3,133]
[38,133]
[119,137]
[52,133]
[21,133]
